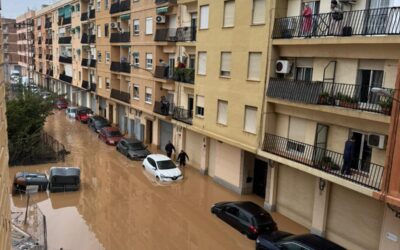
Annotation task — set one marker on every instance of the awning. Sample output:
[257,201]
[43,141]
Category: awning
[125,17]
[162,10]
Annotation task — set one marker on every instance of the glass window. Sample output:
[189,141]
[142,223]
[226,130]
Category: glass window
[304,74]
[98,5]
[136,27]
[204,17]
[107,57]
[99,56]
[107,83]
[148,95]
[98,31]
[229,13]
[149,25]
[105,4]
[250,117]
[253,72]
[225,64]
[149,61]
[222,117]
[136,59]
[258,12]
[106,30]
[136,91]
[202,64]
[199,105]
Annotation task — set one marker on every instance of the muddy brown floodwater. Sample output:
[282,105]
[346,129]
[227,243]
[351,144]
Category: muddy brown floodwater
[120,207]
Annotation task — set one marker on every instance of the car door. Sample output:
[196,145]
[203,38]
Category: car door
[152,166]
[123,147]
[244,222]
[230,216]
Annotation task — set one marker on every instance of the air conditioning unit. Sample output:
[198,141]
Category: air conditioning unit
[114,25]
[377,141]
[283,66]
[160,19]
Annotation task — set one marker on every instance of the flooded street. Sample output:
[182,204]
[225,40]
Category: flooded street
[121,207]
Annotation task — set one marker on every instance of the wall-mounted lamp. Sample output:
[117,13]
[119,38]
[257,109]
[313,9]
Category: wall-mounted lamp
[322,184]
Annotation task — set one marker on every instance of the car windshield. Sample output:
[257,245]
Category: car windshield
[168,164]
[101,122]
[114,133]
[136,146]
[262,219]
[82,112]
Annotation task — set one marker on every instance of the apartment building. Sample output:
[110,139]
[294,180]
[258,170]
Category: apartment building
[25,42]
[10,47]
[5,213]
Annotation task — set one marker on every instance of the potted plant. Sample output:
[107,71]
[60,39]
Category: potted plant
[178,74]
[323,98]
[386,106]
[347,101]
[188,75]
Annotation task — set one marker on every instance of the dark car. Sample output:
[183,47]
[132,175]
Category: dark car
[110,135]
[246,217]
[63,179]
[23,179]
[83,114]
[61,103]
[281,240]
[133,149]
[98,122]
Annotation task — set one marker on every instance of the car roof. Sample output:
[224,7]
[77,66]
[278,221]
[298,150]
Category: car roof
[249,206]
[159,157]
[110,129]
[314,241]
[132,140]
[84,108]
[65,171]
[20,174]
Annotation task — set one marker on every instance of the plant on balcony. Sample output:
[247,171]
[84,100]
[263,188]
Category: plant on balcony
[347,101]
[179,74]
[188,75]
[323,98]
[386,106]
[326,163]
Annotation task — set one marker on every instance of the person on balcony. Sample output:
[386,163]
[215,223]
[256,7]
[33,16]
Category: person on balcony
[165,66]
[307,20]
[164,105]
[348,156]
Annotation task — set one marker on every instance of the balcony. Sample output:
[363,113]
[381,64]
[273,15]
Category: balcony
[92,39]
[48,25]
[186,34]
[93,87]
[183,115]
[120,95]
[364,173]
[164,108]
[115,66]
[120,6]
[85,38]
[351,96]
[114,8]
[162,72]
[123,67]
[49,57]
[166,35]
[165,1]
[382,21]
[185,75]
[84,16]
[49,72]
[123,37]
[64,21]
[92,63]
[85,84]
[65,78]
[85,62]
[64,40]
[65,59]
[92,14]
[49,41]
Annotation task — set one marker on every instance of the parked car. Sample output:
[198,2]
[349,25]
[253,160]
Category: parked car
[23,179]
[246,217]
[61,103]
[279,240]
[63,179]
[133,149]
[110,135]
[98,122]
[71,111]
[162,167]
[83,114]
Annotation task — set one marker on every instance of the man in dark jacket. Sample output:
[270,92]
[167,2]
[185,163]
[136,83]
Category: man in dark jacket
[168,148]
[182,158]
[348,156]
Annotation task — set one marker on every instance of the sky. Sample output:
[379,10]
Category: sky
[14,8]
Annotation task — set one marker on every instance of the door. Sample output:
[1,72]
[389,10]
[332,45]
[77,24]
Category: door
[171,65]
[111,113]
[121,118]
[361,152]
[132,128]
[321,137]
[193,24]
[165,134]
[377,16]
[260,177]
[369,79]
[172,25]
[153,167]
[149,131]
[190,105]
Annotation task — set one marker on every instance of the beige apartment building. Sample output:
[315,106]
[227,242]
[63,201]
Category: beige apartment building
[25,42]
[5,214]
[10,47]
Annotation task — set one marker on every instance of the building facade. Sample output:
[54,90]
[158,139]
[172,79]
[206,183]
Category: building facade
[10,47]
[25,42]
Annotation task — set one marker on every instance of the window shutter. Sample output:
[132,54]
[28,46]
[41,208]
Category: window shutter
[250,119]
[297,126]
[149,25]
[258,11]
[222,112]
[204,17]
[226,61]
[200,101]
[254,66]
[202,67]
[229,14]
[149,91]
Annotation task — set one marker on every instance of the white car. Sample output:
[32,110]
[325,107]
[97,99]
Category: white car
[162,167]
[71,111]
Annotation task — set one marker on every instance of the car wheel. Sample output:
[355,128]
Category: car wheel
[143,167]
[157,178]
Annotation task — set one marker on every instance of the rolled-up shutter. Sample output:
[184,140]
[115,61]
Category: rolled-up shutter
[229,14]
[202,67]
[254,66]
[204,17]
[258,11]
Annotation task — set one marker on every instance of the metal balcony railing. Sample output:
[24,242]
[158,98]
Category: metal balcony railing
[382,21]
[125,6]
[123,37]
[65,59]
[49,41]
[120,67]
[92,14]
[93,87]
[85,38]
[47,25]
[115,66]
[351,96]
[166,35]
[363,172]
[186,34]
[162,72]
[84,16]
[85,84]
[65,78]
[64,21]
[92,39]
[163,108]
[92,63]
[120,95]
[165,1]
[183,115]
[64,40]
[114,8]
[185,75]
[49,57]
[85,62]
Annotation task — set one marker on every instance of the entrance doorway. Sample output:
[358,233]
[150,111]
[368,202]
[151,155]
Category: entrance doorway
[368,80]
[111,113]
[149,131]
[361,152]
[190,105]
[260,177]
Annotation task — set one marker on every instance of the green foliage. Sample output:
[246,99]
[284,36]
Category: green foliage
[386,103]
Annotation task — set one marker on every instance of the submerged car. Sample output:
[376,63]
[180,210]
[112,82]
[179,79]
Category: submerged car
[110,135]
[96,123]
[83,114]
[61,103]
[282,240]
[71,111]
[24,179]
[64,179]
[246,217]
[133,149]
[162,167]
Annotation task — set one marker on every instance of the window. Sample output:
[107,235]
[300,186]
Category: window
[136,27]
[106,4]
[107,83]
[202,64]
[200,105]
[98,31]
[149,25]
[250,116]
[253,72]
[106,30]
[225,64]
[100,81]
[304,73]
[149,61]
[78,7]
[204,17]
[136,91]
[98,56]
[148,95]
[222,116]
[258,12]
[229,13]
[136,59]
[98,5]
[108,57]
[294,144]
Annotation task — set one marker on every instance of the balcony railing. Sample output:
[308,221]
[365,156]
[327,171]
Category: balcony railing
[351,96]
[120,95]
[64,21]
[125,6]
[49,72]
[64,40]
[49,57]
[84,16]
[114,8]
[123,37]
[163,108]
[85,62]
[120,67]
[363,172]
[92,14]
[165,1]
[184,75]
[183,115]
[85,84]
[115,66]
[382,21]
[93,87]
[47,25]
[85,38]
[186,34]
[92,63]
[65,78]
[65,59]
[162,72]
[166,35]
[49,41]
[92,39]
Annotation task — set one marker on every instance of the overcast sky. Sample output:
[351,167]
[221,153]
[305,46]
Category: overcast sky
[14,8]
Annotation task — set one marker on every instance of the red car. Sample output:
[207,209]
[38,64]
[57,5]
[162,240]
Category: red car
[83,114]
[61,103]
[110,135]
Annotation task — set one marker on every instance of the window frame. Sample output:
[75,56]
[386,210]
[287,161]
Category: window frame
[248,107]
[208,17]
[146,25]
[136,97]
[219,113]
[136,32]
[146,96]
[147,64]
[259,66]
[224,25]
[221,65]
